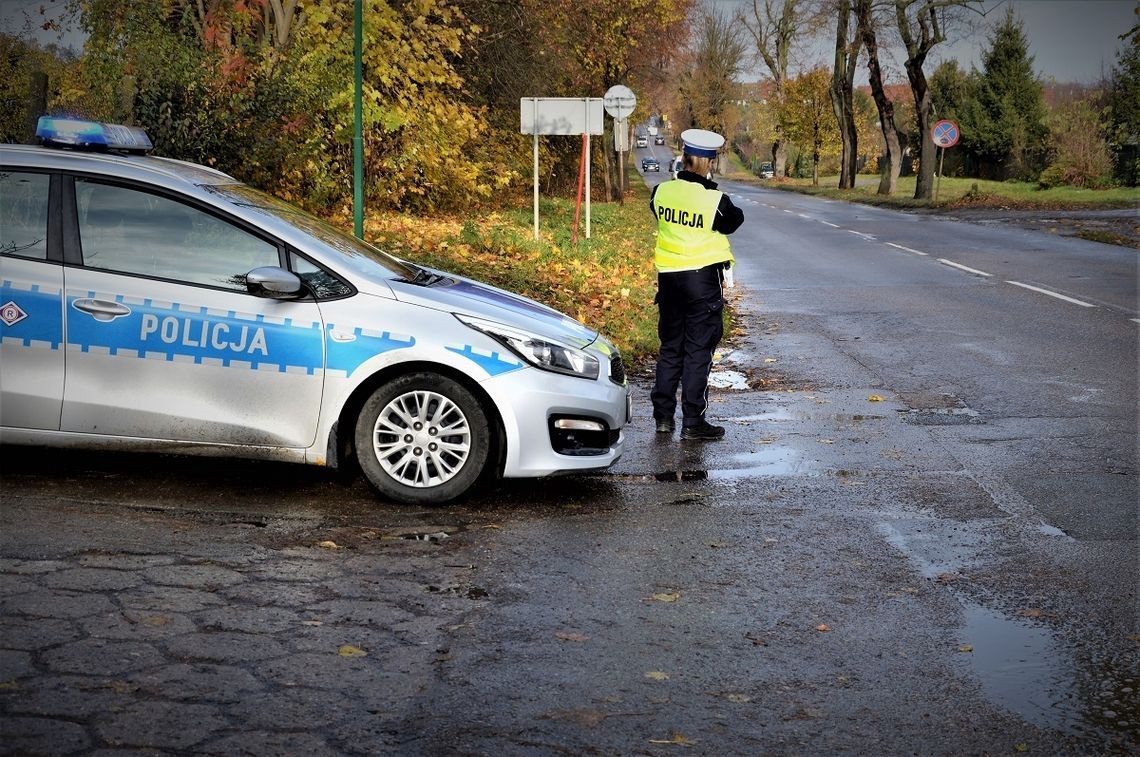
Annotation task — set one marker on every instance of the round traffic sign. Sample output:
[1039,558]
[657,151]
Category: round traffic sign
[619,101]
[944,133]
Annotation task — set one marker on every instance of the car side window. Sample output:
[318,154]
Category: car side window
[323,284]
[131,231]
[24,214]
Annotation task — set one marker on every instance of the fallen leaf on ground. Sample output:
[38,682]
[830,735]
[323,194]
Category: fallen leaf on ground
[966,648]
[823,628]
[758,641]
[826,441]
[155,621]
[945,578]
[670,597]
[657,675]
[585,718]
[328,544]
[766,440]
[1022,747]
[1034,612]
[875,398]
[769,360]
[347,650]
[568,636]
[676,738]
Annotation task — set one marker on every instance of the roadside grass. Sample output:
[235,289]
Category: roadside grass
[606,282]
[955,192]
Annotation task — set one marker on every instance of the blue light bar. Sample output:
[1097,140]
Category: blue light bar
[54,131]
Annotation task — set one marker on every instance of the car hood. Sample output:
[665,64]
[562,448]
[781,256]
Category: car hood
[457,294]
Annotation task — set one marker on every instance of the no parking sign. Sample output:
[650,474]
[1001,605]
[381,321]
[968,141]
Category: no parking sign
[944,133]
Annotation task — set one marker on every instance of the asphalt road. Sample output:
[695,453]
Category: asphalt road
[919,536]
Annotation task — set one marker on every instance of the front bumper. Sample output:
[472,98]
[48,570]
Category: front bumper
[530,401]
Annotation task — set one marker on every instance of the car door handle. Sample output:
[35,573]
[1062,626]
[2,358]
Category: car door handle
[102,310]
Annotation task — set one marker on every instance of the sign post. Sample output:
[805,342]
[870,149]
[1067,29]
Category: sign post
[560,116]
[945,134]
[620,102]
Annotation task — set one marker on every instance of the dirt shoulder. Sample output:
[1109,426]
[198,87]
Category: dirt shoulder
[1117,227]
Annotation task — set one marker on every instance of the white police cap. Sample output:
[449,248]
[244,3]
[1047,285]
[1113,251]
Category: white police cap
[701,142]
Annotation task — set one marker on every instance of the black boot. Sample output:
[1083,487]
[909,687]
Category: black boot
[703,432]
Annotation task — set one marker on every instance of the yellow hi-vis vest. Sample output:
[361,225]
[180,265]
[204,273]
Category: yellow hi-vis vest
[685,239]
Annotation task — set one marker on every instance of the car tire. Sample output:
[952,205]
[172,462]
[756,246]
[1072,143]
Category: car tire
[422,439]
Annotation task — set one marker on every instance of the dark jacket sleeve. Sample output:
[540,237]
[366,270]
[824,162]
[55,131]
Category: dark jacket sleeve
[652,207]
[728,216]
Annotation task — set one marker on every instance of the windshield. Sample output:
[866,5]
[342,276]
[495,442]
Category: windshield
[357,254]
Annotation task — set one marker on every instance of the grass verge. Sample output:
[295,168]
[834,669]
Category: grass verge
[974,193]
[955,192]
[607,282]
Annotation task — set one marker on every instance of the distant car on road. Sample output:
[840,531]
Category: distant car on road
[659,140]
[642,141]
[650,164]
[676,165]
[767,171]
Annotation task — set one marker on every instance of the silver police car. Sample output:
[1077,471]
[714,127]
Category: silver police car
[153,304]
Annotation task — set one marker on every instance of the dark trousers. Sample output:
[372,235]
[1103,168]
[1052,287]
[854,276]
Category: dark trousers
[690,326]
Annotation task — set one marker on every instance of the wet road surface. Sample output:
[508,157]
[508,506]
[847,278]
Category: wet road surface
[896,549]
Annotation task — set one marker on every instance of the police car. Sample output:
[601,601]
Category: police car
[152,304]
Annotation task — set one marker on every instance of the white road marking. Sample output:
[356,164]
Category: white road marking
[804,215]
[959,266]
[1135,320]
[787,211]
[832,225]
[1054,294]
[908,249]
[860,234]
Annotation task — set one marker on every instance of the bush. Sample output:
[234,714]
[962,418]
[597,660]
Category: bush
[1080,155]
[1053,176]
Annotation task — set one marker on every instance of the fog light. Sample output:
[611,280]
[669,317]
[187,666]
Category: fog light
[578,424]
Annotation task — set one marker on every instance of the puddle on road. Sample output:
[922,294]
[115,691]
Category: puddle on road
[1022,665]
[931,548]
[1023,668]
[770,461]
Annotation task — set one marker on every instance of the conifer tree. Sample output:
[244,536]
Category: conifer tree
[1124,113]
[1005,125]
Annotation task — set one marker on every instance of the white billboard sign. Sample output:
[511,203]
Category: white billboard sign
[561,115]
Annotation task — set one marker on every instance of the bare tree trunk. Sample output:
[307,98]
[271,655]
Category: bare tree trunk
[924,184]
[842,95]
[779,157]
[774,26]
[889,171]
[928,30]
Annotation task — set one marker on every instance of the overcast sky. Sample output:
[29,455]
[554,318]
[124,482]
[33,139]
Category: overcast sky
[1070,40]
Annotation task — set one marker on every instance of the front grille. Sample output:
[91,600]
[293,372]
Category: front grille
[617,369]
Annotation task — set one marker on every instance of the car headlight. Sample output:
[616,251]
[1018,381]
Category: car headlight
[539,351]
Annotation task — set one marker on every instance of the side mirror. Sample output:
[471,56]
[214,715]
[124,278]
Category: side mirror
[271,281]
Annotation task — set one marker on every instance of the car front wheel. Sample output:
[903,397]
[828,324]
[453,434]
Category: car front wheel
[422,439]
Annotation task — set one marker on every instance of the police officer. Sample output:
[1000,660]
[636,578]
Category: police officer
[692,255]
